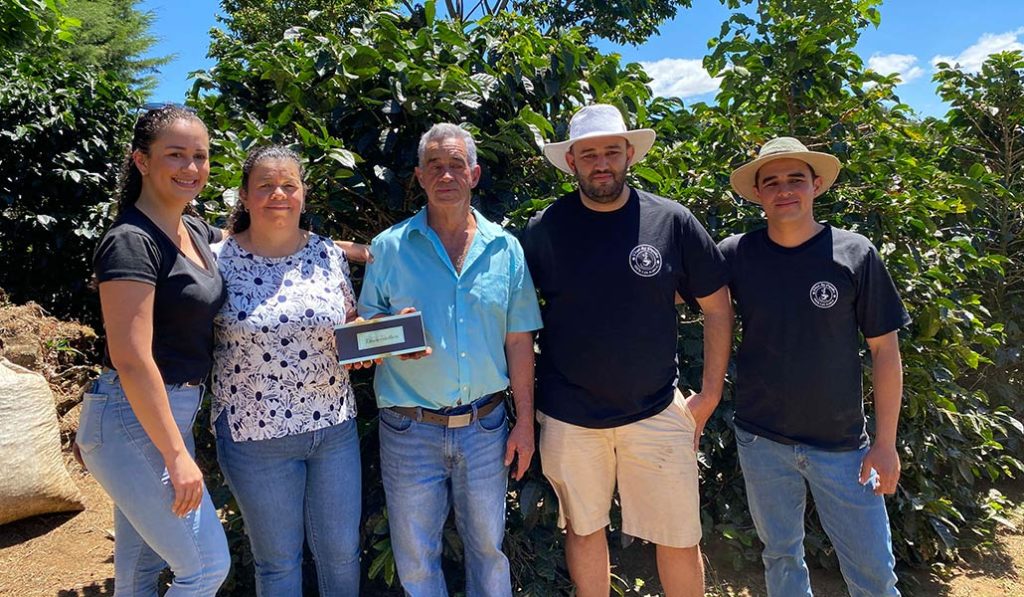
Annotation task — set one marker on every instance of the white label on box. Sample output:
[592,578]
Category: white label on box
[384,337]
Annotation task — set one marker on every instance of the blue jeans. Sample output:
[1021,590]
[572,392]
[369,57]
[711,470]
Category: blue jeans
[294,489]
[427,469]
[148,536]
[777,476]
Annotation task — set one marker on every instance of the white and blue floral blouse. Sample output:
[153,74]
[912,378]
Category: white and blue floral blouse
[276,370]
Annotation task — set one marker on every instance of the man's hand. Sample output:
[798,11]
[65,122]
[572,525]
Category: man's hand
[701,405]
[520,441]
[361,364]
[886,462]
[887,375]
[718,319]
[415,355]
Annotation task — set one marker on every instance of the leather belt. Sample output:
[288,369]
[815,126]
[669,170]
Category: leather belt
[434,417]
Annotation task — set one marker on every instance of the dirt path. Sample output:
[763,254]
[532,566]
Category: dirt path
[998,572]
[70,556]
[64,555]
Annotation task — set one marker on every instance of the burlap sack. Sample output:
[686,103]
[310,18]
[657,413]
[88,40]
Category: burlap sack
[33,479]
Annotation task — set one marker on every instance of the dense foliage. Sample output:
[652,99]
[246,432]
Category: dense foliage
[355,101]
[790,68]
[625,21]
[984,139]
[252,21]
[26,22]
[943,199]
[62,126]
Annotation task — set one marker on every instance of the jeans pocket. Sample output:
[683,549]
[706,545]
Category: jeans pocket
[90,423]
[496,420]
[744,438]
[393,421]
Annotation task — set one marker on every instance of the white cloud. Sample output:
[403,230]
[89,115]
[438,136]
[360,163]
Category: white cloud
[680,77]
[905,65]
[990,43]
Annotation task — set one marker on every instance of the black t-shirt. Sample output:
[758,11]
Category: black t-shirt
[187,296]
[607,282]
[803,309]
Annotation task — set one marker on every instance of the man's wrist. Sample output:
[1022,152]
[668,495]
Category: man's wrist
[524,420]
[712,393]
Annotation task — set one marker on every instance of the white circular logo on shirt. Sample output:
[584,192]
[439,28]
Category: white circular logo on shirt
[824,295]
[645,260]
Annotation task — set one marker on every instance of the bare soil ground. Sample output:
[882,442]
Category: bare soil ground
[71,556]
[995,572]
[64,555]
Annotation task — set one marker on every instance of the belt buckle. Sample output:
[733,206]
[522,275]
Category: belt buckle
[456,421]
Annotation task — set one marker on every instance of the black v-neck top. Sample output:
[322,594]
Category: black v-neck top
[188,295]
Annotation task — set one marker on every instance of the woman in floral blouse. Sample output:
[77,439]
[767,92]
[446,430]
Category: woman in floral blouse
[284,411]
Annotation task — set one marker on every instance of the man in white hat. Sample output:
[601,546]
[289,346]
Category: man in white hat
[608,261]
[806,292]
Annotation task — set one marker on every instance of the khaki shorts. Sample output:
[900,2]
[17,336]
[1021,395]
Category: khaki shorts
[653,461]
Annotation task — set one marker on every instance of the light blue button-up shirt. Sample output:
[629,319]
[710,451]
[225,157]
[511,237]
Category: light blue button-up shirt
[466,316]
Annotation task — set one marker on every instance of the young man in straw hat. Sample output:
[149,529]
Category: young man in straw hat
[608,261]
[805,293]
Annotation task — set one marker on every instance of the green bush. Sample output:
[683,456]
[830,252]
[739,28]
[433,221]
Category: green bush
[356,102]
[62,126]
[789,68]
[939,198]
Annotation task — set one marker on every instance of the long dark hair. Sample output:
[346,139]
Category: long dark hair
[239,219]
[147,129]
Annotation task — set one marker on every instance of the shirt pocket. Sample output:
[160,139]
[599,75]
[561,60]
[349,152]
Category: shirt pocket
[490,290]
[90,423]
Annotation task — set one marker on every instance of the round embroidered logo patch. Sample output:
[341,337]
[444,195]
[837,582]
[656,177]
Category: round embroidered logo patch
[645,260]
[824,295]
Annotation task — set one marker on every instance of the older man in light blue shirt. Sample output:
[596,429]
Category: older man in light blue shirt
[443,432]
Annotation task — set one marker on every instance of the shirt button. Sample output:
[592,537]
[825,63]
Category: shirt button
[465,388]
[463,355]
[461,320]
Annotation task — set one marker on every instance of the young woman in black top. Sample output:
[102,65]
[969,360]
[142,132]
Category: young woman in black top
[159,291]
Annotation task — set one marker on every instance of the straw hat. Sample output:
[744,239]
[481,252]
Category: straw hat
[743,179]
[599,120]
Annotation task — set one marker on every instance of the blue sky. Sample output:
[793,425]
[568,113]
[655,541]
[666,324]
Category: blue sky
[913,35]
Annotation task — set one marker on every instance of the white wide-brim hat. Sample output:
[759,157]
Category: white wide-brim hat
[599,120]
[744,178]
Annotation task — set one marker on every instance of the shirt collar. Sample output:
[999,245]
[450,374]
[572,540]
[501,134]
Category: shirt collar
[485,229]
